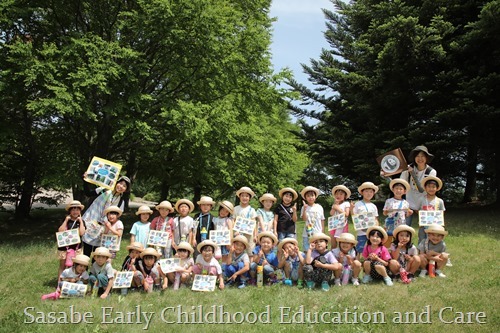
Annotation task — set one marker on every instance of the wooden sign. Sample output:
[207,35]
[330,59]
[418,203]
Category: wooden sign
[393,162]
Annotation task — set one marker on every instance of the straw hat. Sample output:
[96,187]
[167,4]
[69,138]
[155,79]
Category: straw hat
[318,236]
[113,209]
[288,189]
[366,185]
[341,188]
[165,204]
[126,180]
[287,240]
[418,149]
[184,201]
[186,246]
[102,251]
[436,229]
[150,252]
[436,179]
[227,205]
[267,196]
[206,201]
[206,242]
[346,237]
[81,259]
[399,181]
[378,228]
[241,239]
[245,189]
[75,203]
[136,246]
[144,210]
[309,189]
[403,228]
[268,234]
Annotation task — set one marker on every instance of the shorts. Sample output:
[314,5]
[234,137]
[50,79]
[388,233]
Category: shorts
[62,254]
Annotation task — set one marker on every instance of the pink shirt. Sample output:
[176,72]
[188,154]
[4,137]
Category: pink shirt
[380,251]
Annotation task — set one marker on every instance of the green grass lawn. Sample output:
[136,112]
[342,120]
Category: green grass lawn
[466,301]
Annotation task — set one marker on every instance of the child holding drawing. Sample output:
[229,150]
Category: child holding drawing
[341,205]
[72,221]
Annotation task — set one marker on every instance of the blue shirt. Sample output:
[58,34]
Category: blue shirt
[271,257]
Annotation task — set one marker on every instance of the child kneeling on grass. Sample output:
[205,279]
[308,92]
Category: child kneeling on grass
[131,264]
[291,260]
[433,248]
[75,274]
[238,262]
[206,263]
[183,273]
[149,268]
[102,273]
[320,263]
[264,255]
[345,254]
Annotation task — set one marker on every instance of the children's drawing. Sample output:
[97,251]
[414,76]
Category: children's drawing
[244,225]
[68,237]
[364,220]
[123,280]
[430,217]
[103,172]
[159,238]
[112,242]
[336,221]
[71,290]
[204,282]
[94,229]
[221,237]
[169,265]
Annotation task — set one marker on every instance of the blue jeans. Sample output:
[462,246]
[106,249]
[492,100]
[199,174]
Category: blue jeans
[102,278]
[231,269]
[361,243]
[283,235]
[268,269]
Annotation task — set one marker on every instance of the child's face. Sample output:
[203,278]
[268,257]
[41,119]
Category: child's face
[244,199]
[74,212]
[421,158]
[368,194]
[287,198]
[144,218]
[431,188]
[435,238]
[183,254]
[134,254]
[320,245]
[100,260]
[207,253]
[267,204]
[112,217]
[375,239]
[163,212]
[291,249]
[345,247]
[121,187]
[239,247]
[223,212]
[205,208]
[310,198]
[79,269]
[183,210]
[404,237]
[398,190]
[149,261]
[340,196]
[266,244]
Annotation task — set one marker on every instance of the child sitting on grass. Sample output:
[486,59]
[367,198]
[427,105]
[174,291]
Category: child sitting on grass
[131,264]
[183,273]
[102,273]
[377,257]
[291,260]
[345,254]
[264,255]
[320,263]
[238,262]
[433,248]
[75,274]
[206,263]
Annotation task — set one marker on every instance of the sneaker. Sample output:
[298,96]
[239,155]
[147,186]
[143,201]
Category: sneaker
[300,284]
[242,285]
[288,282]
[448,263]
[310,284]
[440,274]
[411,277]
[367,278]
[337,282]
[325,286]
[124,291]
[388,281]
[355,281]
[423,273]
[229,282]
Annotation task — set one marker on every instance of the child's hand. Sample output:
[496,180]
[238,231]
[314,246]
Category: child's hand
[312,246]
[285,254]
[221,284]
[410,212]
[318,264]
[294,208]
[104,295]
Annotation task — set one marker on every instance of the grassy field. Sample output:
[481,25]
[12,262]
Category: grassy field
[466,301]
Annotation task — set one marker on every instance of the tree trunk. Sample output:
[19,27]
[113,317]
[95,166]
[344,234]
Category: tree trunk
[197,195]
[471,172]
[165,189]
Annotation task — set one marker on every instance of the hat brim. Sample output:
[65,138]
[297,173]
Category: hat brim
[436,231]
[282,192]
[205,243]
[242,240]
[286,241]
[184,201]
[403,228]
[396,181]
[341,188]
[418,149]
[268,234]
[229,209]
[380,229]
[429,178]
[319,236]
[309,189]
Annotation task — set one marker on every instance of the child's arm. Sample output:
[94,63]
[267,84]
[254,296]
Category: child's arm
[81,227]
[111,228]
[275,224]
[64,225]
[308,253]
[294,212]
[282,257]
[221,281]
[132,238]
[303,215]
[108,287]
[260,223]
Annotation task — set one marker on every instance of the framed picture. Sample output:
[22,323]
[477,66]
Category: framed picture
[103,173]
[112,242]
[392,162]
[123,280]
[430,217]
[94,229]
[72,290]
[221,237]
[68,237]
[336,221]
[204,282]
[159,238]
[169,265]
[244,225]
[364,221]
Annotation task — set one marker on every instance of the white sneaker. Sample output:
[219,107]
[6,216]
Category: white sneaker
[440,274]
[367,278]
[337,282]
[388,281]
[448,263]
[355,281]
[423,273]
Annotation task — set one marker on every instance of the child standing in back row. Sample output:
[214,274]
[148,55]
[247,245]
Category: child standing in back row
[72,221]
[265,216]
[312,213]
[140,229]
[430,201]
[365,206]
[285,214]
[245,194]
[164,223]
[341,205]
[397,209]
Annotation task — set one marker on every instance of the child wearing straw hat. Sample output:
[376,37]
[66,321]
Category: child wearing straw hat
[320,263]
[365,205]
[345,254]
[131,264]
[430,201]
[140,229]
[312,213]
[102,273]
[264,255]
[433,248]
[75,274]
[183,223]
[245,194]
[203,221]
[164,223]
[206,263]
[183,273]
[238,262]
[291,260]
[405,259]
[72,221]
[224,222]
[397,209]
[341,193]
[113,224]
[285,214]
[265,216]
[150,270]
[377,257]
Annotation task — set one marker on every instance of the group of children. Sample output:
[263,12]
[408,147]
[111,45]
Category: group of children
[272,250]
